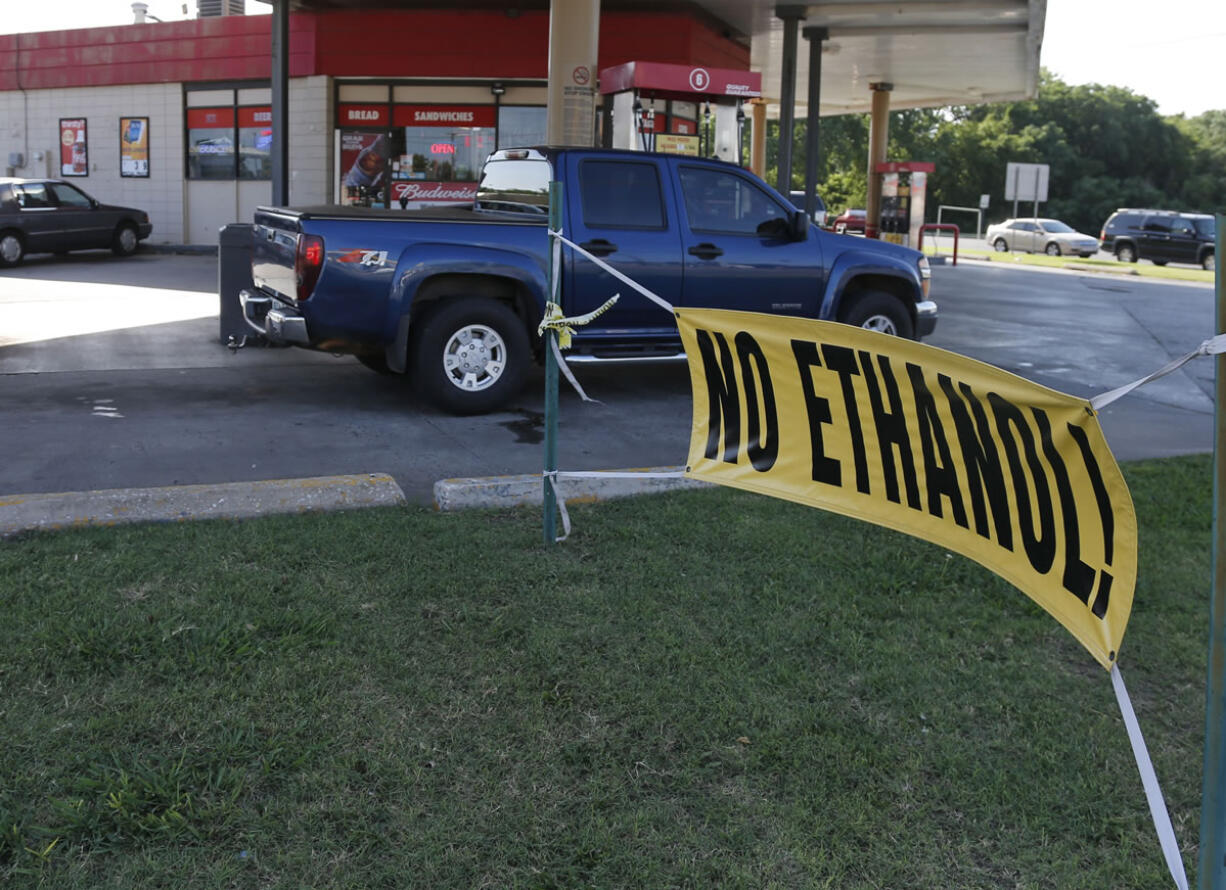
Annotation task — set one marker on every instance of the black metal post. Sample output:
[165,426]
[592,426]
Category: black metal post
[280,103]
[816,37]
[791,16]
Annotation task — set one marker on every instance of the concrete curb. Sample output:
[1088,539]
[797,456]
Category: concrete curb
[178,503]
[526,490]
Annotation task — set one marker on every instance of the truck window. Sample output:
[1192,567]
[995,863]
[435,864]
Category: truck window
[620,195]
[515,186]
[717,201]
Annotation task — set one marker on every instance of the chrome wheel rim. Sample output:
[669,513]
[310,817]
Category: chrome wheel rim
[10,248]
[127,240]
[1000,245]
[1211,262]
[474,358]
[882,324]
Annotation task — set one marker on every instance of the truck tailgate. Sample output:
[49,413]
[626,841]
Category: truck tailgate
[274,246]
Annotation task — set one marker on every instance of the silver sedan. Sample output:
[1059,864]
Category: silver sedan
[1049,236]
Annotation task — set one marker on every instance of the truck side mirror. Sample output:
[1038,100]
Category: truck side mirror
[799,227]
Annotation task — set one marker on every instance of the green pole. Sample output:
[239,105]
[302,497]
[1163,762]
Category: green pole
[1212,868]
[551,374]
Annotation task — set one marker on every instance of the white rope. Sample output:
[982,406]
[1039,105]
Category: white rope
[567,373]
[556,267]
[658,300]
[552,476]
[1213,346]
[1149,779]
[561,505]
[616,474]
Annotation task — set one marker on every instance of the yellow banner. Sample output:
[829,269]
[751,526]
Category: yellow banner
[1015,476]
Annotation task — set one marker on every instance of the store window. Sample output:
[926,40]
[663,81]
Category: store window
[437,152]
[210,143]
[521,126]
[229,143]
[255,143]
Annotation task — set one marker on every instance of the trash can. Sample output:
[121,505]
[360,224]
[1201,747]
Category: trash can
[234,274]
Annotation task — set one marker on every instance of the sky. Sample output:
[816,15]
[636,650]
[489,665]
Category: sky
[1166,50]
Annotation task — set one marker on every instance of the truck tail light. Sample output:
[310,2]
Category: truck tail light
[308,262]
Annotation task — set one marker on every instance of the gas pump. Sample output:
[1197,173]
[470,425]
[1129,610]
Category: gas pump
[677,108]
[904,188]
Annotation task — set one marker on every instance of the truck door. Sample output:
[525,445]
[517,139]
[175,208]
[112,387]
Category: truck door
[620,213]
[738,251]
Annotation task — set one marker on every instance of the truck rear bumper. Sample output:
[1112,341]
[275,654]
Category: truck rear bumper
[925,318]
[272,319]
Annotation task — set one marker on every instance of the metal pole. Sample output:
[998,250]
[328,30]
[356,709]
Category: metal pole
[1017,172]
[280,103]
[791,16]
[1036,194]
[551,375]
[1212,867]
[816,37]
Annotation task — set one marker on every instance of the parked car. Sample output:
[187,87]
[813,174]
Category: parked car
[850,220]
[1161,236]
[819,211]
[53,216]
[1050,236]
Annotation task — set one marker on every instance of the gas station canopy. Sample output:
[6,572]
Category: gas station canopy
[933,52]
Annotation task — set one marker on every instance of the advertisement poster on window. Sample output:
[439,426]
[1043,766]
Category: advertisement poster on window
[74,157]
[364,159]
[134,146]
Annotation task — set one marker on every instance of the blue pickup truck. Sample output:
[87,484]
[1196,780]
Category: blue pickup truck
[452,296]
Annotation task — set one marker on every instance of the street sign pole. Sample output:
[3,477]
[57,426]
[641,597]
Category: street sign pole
[551,375]
[1212,867]
[1036,193]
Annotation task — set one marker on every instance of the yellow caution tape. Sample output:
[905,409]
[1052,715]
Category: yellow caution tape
[565,327]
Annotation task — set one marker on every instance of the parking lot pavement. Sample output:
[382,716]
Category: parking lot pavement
[118,380]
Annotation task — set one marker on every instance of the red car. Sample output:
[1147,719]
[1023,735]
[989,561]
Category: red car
[850,220]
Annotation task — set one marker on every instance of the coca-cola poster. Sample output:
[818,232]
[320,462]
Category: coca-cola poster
[419,193]
[74,156]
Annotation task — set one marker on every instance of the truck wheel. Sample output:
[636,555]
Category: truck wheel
[471,355]
[1126,253]
[1209,263]
[881,312]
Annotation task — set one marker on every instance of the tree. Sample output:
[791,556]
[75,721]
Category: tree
[1107,147]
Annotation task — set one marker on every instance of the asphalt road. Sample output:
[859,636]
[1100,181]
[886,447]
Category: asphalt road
[113,376]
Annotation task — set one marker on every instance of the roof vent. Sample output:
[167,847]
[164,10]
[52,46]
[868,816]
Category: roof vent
[212,8]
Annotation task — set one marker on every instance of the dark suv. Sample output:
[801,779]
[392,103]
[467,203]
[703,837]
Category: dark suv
[1163,236]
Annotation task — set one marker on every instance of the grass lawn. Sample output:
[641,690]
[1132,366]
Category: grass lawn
[1112,266]
[700,689]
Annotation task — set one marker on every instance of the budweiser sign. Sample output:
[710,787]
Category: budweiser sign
[434,192]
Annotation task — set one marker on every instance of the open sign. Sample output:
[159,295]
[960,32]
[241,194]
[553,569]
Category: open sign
[442,148]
